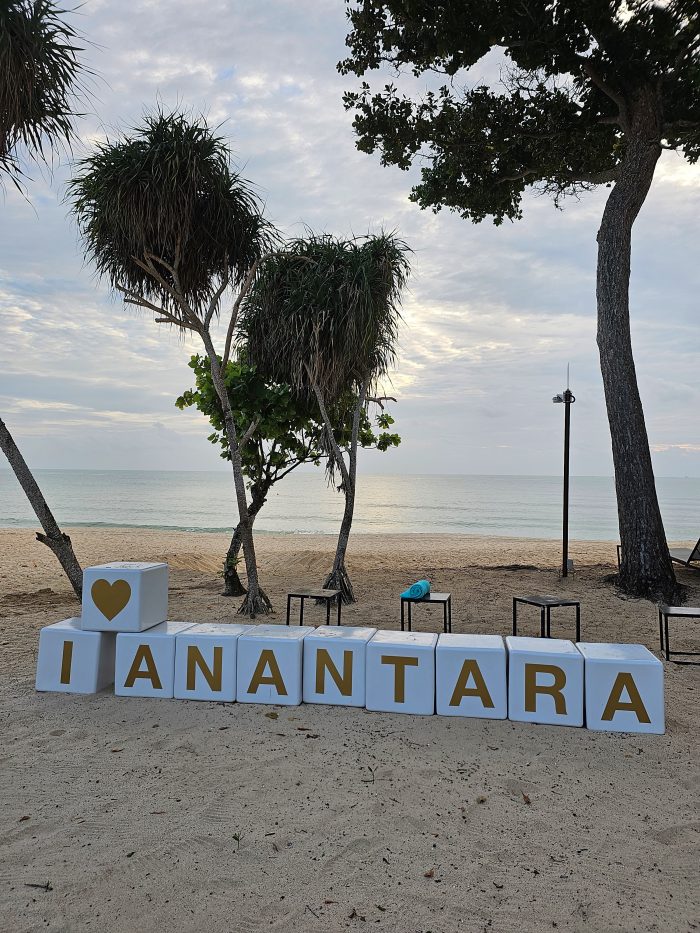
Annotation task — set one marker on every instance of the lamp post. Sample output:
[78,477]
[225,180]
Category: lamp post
[567,399]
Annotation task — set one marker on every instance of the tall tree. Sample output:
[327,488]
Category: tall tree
[171,226]
[323,317]
[288,432]
[594,91]
[40,86]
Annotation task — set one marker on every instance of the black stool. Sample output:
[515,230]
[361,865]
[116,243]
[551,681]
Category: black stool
[546,604]
[444,598]
[326,595]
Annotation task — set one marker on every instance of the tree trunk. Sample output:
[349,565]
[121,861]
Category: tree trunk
[338,578]
[53,538]
[255,600]
[232,582]
[646,569]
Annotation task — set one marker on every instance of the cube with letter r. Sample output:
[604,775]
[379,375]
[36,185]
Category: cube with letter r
[545,681]
[624,688]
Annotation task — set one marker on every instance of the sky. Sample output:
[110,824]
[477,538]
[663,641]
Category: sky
[491,317]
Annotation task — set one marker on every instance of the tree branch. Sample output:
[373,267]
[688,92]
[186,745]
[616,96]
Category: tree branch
[234,311]
[603,86]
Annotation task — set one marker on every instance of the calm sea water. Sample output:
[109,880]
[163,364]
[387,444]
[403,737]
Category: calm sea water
[523,506]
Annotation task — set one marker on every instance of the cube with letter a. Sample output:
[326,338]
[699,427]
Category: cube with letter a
[470,676]
[400,672]
[334,665]
[124,597]
[205,661]
[269,664]
[145,661]
[624,688]
[73,661]
[545,681]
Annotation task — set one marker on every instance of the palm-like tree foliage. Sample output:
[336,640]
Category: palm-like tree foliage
[40,80]
[167,190]
[325,312]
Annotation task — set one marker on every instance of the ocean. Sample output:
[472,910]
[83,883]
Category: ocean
[521,506]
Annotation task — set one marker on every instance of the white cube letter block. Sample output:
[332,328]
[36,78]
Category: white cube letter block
[545,681]
[268,668]
[624,688]
[400,672]
[470,676]
[205,662]
[73,661]
[334,665]
[145,662]
[124,597]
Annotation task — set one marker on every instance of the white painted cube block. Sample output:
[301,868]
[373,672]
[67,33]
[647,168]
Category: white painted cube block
[545,681]
[124,597]
[400,672]
[334,665]
[205,661]
[624,688]
[470,676]
[145,661]
[73,661]
[269,664]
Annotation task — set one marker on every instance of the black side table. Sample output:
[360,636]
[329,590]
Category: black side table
[546,604]
[444,598]
[326,595]
[675,612]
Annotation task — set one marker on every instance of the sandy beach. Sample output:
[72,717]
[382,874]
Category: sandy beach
[122,814]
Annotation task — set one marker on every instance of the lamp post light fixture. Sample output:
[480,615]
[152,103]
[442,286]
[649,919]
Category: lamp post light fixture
[567,399]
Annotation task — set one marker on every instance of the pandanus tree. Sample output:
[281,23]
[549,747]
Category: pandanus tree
[289,432]
[593,92]
[40,86]
[172,227]
[323,316]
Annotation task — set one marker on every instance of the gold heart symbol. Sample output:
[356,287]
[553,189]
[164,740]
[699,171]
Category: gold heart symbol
[110,598]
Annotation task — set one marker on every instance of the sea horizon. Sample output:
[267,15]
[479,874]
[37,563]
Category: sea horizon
[499,505]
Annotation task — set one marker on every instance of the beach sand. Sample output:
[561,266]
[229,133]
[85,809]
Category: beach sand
[184,816]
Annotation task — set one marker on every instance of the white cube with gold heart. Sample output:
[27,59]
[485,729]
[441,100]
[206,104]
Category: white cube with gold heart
[74,661]
[126,596]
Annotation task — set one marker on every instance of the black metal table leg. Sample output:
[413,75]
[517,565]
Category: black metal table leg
[301,612]
[340,603]
[542,622]
[578,623]
[328,611]
[661,631]
[410,619]
[289,607]
[515,616]
[668,647]
[444,617]
[402,605]
[449,613]
[549,621]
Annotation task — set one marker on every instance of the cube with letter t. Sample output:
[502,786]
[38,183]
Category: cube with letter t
[334,665]
[400,672]
[145,661]
[545,681]
[269,663]
[624,688]
[470,675]
[124,597]
[205,661]
[73,661]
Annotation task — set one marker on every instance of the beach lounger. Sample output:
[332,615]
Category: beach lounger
[679,555]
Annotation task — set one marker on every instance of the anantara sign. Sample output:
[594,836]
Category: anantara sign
[122,638]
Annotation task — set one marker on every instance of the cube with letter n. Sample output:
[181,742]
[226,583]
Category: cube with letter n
[205,661]
[400,672]
[145,661]
[334,665]
[269,662]
[624,688]
[545,681]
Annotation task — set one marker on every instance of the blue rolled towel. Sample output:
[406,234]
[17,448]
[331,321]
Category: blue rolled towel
[418,590]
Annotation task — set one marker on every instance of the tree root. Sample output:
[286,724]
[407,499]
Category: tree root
[255,603]
[338,579]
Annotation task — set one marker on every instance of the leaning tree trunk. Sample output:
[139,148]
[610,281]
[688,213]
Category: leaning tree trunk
[646,568]
[53,538]
[255,600]
[233,585]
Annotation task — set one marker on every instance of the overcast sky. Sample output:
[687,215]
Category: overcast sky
[492,316]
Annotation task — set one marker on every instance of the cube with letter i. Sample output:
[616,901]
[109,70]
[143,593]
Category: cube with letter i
[145,661]
[269,663]
[334,665]
[624,688]
[73,661]
[124,597]
[545,681]
[400,672]
[205,661]
[470,676]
